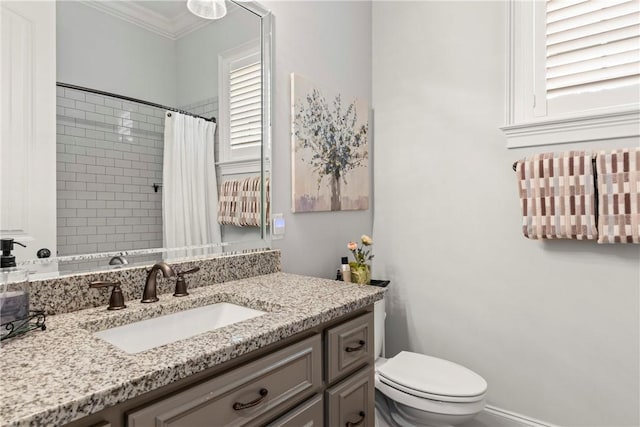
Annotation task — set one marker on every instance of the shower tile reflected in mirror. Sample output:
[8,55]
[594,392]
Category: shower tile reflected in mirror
[109,157]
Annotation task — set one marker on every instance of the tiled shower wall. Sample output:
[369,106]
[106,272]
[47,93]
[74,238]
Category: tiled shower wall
[206,108]
[109,156]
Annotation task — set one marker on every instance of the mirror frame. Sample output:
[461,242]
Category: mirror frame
[218,249]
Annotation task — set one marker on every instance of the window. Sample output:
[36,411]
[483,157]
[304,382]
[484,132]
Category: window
[240,95]
[573,71]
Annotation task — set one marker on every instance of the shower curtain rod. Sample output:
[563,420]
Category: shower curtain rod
[128,98]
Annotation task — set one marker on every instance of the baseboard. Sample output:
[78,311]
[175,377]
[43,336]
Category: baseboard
[512,416]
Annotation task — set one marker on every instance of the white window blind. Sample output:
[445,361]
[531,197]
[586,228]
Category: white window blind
[245,91]
[591,45]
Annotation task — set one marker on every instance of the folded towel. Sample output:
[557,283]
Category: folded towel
[557,196]
[619,196]
[240,202]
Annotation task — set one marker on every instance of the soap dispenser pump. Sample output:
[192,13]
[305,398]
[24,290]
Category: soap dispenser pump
[8,260]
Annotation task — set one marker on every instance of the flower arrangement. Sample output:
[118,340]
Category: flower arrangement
[360,270]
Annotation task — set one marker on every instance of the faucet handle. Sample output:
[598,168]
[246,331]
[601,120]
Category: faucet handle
[116,300]
[181,283]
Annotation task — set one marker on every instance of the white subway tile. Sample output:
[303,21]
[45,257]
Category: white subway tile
[115,204]
[87,195]
[88,213]
[94,98]
[95,117]
[101,109]
[97,187]
[111,102]
[95,169]
[87,178]
[147,110]
[123,180]
[129,106]
[65,102]
[74,94]
[97,204]
[75,167]
[86,160]
[105,195]
[95,134]
[85,106]
[76,204]
[105,179]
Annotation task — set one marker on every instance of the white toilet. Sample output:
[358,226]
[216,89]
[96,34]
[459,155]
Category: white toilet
[417,390]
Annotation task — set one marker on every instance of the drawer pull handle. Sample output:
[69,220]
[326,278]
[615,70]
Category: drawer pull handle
[357,423]
[239,406]
[360,346]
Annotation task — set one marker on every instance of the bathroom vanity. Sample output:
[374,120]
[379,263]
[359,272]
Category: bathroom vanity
[309,358]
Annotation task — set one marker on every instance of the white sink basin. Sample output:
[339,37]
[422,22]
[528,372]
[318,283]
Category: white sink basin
[151,333]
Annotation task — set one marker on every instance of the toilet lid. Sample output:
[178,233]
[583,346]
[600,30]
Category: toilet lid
[426,374]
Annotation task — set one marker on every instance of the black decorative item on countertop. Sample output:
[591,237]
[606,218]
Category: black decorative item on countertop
[380,283]
[18,327]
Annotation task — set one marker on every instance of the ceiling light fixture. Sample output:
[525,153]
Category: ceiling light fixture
[207,9]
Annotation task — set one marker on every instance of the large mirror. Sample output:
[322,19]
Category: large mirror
[162,134]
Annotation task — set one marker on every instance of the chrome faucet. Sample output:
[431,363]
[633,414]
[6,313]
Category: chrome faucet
[149,293]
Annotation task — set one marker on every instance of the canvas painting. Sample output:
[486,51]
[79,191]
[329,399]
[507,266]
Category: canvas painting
[330,149]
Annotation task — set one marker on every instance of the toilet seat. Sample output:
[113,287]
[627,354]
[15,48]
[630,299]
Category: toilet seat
[428,377]
[406,401]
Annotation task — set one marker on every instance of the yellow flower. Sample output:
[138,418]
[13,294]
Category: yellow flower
[352,246]
[366,240]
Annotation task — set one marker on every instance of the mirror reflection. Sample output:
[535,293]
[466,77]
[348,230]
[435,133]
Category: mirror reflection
[158,128]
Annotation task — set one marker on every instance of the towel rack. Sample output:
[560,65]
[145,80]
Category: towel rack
[593,164]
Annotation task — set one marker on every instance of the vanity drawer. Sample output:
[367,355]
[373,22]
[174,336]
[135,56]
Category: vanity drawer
[349,346]
[243,394]
[307,414]
[350,402]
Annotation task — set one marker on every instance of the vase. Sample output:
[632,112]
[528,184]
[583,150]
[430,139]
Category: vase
[361,274]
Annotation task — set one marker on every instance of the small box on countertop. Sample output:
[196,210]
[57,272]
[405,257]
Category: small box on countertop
[14,295]
[14,305]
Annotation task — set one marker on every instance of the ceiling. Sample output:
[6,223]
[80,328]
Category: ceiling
[168,18]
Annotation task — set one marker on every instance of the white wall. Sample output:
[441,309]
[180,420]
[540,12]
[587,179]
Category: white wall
[330,43]
[197,54]
[552,326]
[99,51]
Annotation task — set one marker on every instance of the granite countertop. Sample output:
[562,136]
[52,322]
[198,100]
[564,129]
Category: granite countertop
[65,373]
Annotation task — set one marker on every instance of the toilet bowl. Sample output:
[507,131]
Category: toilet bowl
[419,390]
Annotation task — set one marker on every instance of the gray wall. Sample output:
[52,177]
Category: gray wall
[329,43]
[197,54]
[99,51]
[552,326]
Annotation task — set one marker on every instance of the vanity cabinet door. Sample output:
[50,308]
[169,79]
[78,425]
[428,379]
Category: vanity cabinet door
[350,403]
[243,394]
[307,414]
[349,346]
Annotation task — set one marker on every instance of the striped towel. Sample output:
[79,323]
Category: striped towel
[619,199]
[557,196]
[240,202]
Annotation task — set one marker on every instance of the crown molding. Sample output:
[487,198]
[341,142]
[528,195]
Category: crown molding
[150,20]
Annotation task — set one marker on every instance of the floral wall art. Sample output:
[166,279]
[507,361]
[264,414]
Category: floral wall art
[330,149]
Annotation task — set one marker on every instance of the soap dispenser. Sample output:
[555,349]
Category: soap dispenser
[8,260]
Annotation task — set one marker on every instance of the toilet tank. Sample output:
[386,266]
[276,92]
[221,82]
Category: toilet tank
[379,315]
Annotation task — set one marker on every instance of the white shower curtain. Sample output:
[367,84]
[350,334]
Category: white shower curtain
[189,188]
